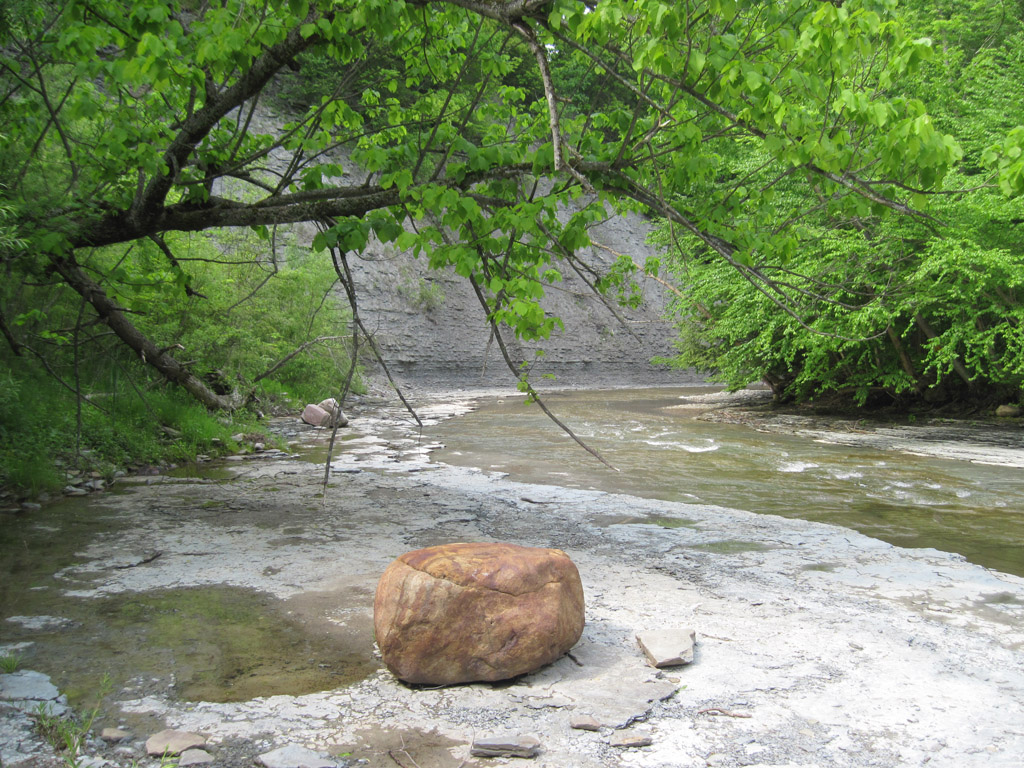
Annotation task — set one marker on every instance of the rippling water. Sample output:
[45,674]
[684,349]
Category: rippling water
[664,453]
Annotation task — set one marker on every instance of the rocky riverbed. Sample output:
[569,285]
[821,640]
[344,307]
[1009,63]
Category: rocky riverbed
[816,646]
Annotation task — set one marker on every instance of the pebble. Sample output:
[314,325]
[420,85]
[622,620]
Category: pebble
[114,734]
[505,746]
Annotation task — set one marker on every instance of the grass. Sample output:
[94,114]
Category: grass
[9,662]
[66,733]
[39,450]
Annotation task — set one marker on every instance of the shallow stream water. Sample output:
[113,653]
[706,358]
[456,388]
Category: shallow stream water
[664,452]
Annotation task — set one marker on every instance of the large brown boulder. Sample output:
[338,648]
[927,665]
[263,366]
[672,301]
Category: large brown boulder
[459,613]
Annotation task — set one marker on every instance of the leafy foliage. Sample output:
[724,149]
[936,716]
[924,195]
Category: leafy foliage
[891,308]
[775,139]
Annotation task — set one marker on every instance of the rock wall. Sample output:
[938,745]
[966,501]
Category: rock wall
[431,328]
[432,331]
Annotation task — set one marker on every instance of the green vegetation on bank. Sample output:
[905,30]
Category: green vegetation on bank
[76,401]
[885,310]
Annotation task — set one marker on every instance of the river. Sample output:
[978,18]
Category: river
[665,452]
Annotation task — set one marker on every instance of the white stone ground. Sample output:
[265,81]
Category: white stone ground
[816,646]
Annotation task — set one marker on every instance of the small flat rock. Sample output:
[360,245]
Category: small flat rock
[172,742]
[630,740]
[506,746]
[113,735]
[294,756]
[669,647]
[195,757]
[585,723]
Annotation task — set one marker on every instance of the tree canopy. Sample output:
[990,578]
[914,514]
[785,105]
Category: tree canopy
[772,139]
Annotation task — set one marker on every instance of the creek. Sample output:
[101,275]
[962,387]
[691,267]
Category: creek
[665,452]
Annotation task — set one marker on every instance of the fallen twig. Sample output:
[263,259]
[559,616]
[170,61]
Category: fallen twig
[145,560]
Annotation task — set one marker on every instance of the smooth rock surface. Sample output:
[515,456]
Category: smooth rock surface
[459,613]
[668,647]
[173,742]
[1008,410]
[294,756]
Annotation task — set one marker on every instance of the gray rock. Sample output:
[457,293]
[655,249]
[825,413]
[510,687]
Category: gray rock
[172,742]
[70,490]
[585,723]
[630,740]
[194,757]
[92,761]
[294,756]
[114,735]
[507,746]
[668,648]
[27,685]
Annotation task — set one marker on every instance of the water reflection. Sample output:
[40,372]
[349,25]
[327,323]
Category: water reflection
[664,453]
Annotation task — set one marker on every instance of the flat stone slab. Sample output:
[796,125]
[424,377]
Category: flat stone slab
[630,740]
[294,756]
[172,742]
[29,691]
[27,685]
[668,647]
[506,746]
[585,723]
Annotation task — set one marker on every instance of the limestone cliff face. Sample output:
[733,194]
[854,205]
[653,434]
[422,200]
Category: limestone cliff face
[432,330]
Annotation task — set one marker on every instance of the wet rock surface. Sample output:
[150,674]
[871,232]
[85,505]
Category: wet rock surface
[888,657]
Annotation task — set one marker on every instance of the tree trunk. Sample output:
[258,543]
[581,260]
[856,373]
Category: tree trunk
[141,344]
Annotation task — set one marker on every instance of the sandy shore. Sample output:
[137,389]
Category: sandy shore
[817,646]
